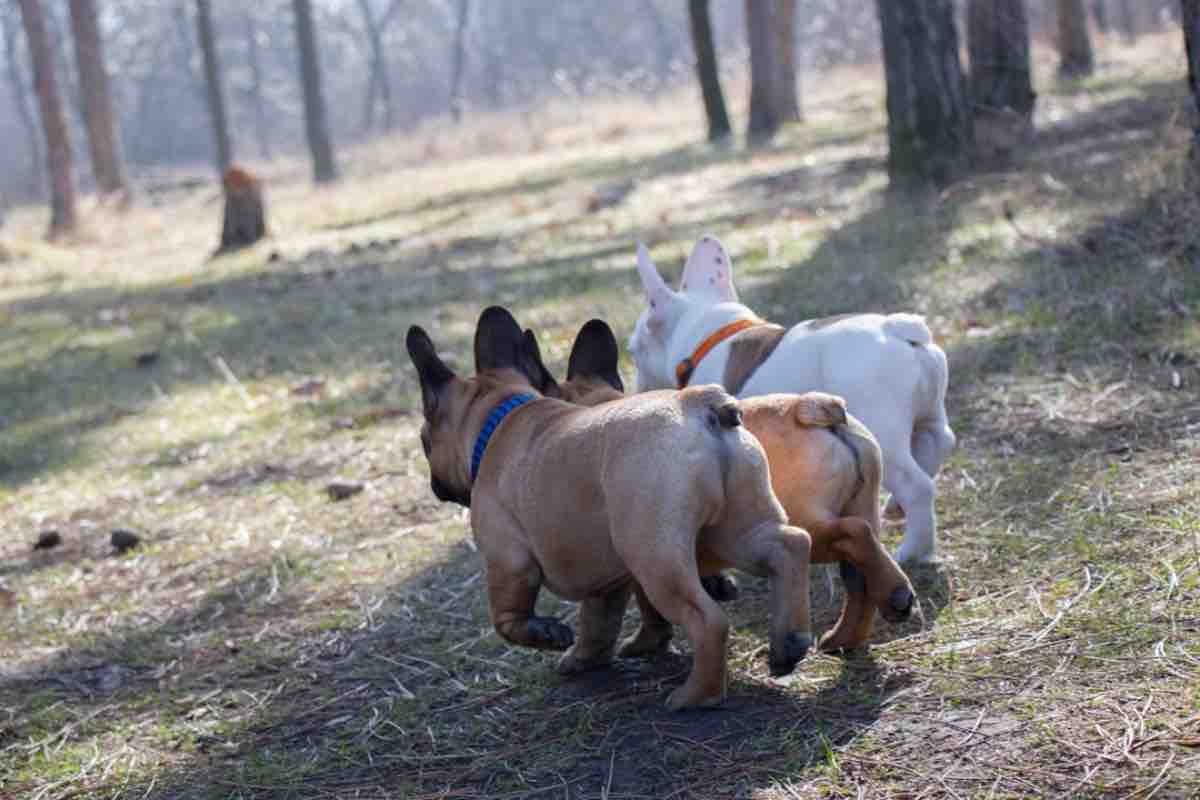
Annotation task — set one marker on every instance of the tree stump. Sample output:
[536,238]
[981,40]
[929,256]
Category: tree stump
[245,213]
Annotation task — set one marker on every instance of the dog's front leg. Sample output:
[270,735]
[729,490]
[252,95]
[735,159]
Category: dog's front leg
[513,585]
[599,626]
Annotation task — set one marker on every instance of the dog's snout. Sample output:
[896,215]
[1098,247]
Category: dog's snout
[900,601]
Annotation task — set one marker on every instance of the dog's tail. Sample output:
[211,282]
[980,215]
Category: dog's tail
[909,327]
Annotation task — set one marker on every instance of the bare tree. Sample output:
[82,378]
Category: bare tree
[930,135]
[765,116]
[19,88]
[97,100]
[63,219]
[707,72]
[1100,14]
[378,83]
[216,90]
[1001,74]
[1191,42]
[460,58]
[261,130]
[1074,42]
[324,167]
[787,91]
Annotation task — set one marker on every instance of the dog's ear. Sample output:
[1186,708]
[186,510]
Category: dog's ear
[709,271]
[500,344]
[595,355]
[544,382]
[431,370]
[659,296]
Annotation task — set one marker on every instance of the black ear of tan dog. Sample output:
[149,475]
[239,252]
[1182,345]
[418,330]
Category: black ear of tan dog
[595,355]
[431,370]
[544,381]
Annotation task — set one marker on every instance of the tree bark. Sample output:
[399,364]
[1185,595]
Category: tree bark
[1001,74]
[930,134]
[707,71]
[20,93]
[1191,42]
[764,71]
[460,59]
[787,99]
[1100,14]
[379,84]
[216,91]
[324,167]
[1074,43]
[97,99]
[63,219]
[245,213]
[261,130]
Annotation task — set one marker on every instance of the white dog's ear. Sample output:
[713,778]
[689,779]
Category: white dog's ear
[709,271]
[658,295]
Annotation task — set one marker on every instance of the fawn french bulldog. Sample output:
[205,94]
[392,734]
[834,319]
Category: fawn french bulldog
[647,493]
[825,468]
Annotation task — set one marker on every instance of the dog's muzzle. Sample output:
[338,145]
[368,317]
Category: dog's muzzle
[447,495]
[899,604]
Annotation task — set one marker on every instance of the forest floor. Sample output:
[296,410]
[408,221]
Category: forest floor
[267,641]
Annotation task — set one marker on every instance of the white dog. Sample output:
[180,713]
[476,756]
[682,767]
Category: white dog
[891,374]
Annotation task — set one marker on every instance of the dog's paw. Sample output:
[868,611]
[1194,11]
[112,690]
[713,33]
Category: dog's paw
[682,699]
[783,660]
[720,587]
[646,643]
[547,633]
[840,643]
[573,662]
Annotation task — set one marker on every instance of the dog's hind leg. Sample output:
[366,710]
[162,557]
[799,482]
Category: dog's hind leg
[513,585]
[654,634]
[915,490]
[599,626]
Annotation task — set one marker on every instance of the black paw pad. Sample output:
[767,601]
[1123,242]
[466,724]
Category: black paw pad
[795,648]
[720,587]
[546,633]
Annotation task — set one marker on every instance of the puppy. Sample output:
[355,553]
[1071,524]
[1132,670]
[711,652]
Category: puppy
[648,492]
[887,367]
[825,470]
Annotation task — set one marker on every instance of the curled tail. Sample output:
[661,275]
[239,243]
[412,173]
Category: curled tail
[909,327]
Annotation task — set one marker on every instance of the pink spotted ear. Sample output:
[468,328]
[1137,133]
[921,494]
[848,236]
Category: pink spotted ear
[709,271]
[658,294]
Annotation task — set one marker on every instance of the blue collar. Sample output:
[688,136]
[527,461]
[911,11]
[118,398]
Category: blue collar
[489,427]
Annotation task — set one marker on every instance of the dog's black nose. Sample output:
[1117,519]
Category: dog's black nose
[900,602]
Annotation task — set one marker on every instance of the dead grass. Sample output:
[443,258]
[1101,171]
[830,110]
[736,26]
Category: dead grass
[268,642]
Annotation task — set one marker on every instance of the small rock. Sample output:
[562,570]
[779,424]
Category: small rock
[8,598]
[124,541]
[274,257]
[341,490]
[308,388]
[147,359]
[48,540]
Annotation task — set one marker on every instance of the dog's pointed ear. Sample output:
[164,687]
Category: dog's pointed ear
[595,355]
[500,344]
[431,370]
[709,271]
[658,295]
[544,381]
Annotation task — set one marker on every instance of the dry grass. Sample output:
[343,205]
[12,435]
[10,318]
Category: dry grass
[267,642]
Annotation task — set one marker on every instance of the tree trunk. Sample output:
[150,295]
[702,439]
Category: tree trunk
[379,84]
[764,71]
[324,168]
[930,134]
[1074,43]
[707,71]
[1001,75]
[20,93]
[261,130]
[216,92]
[787,100]
[460,59]
[97,100]
[63,219]
[1100,14]
[1127,19]
[1191,41]
[245,213]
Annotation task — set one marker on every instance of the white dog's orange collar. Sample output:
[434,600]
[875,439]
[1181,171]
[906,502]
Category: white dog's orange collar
[685,368]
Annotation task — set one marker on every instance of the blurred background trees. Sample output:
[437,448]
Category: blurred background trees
[148,88]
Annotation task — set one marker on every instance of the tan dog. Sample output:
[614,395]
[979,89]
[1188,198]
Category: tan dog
[647,491]
[825,470]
